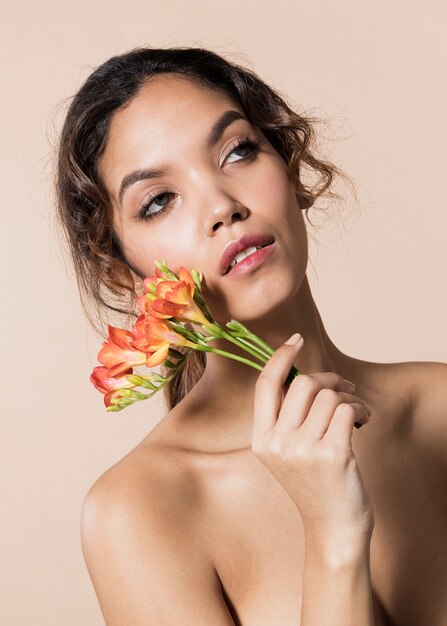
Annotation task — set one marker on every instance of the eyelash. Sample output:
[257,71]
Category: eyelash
[253,146]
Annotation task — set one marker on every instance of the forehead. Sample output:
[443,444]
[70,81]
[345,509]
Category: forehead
[166,96]
[167,118]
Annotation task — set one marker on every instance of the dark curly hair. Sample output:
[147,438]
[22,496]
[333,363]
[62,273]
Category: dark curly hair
[105,280]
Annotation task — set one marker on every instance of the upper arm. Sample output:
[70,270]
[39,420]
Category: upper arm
[146,564]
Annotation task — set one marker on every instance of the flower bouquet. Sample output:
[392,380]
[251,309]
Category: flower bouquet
[170,304]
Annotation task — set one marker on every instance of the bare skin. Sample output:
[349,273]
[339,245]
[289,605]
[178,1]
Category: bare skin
[246,531]
[251,534]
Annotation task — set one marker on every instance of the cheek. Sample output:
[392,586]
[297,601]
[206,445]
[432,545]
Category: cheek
[273,187]
[138,253]
[142,249]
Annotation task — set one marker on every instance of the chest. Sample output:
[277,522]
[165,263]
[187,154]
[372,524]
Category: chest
[257,544]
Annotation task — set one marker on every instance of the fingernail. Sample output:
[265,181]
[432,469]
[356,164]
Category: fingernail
[294,340]
[351,385]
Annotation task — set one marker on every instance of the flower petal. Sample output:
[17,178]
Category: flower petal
[186,277]
[101,379]
[120,337]
[158,356]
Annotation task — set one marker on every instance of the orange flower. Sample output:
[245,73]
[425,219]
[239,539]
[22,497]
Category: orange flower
[150,284]
[110,396]
[154,336]
[176,299]
[104,382]
[152,281]
[118,354]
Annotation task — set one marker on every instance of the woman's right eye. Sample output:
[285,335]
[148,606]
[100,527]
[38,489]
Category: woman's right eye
[144,214]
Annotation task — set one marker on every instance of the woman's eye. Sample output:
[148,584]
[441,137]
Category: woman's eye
[247,146]
[155,200]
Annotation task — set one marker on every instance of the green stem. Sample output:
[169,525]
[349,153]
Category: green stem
[260,343]
[264,355]
[238,326]
[220,333]
[245,345]
[230,355]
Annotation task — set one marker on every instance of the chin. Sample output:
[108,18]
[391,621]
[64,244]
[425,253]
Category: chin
[258,300]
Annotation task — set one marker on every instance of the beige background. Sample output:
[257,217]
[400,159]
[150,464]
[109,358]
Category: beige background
[378,276]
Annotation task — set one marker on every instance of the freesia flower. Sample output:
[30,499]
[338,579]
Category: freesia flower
[155,336]
[118,354]
[104,382]
[108,385]
[173,298]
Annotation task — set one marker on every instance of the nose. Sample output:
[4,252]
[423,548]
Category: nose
[225,213]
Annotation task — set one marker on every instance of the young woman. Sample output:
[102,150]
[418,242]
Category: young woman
[250,503]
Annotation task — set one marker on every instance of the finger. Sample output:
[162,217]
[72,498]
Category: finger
[322,412]
[341,427]
[268,389]
[301,395]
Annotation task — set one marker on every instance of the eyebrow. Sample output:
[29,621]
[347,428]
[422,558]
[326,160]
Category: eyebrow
[215,134]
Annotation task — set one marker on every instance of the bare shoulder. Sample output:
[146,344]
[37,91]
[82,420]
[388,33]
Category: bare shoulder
[147,562]
[139,479]
[416,392]
[138,489]
[428,380]
[408,387]
[146,478]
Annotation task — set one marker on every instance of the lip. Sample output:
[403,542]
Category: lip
[250,262]
[234,247]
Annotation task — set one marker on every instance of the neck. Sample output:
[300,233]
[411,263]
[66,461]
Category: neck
[225,393]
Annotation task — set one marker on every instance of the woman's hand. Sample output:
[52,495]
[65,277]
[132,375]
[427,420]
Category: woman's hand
[302,434]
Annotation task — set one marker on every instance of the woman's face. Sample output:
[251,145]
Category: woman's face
[208,195]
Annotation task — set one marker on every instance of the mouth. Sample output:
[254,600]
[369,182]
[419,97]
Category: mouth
[248,253]
[250,262]
[236,251]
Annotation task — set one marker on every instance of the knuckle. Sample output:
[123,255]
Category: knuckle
[305,382]
[346,410]
[327,455]
[302,453]
[328,395]
[276,446]
[333,456]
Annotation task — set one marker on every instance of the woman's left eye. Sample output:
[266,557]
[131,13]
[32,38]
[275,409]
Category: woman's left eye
[248,145]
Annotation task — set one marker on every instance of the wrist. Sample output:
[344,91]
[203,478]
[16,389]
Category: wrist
[337,550]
